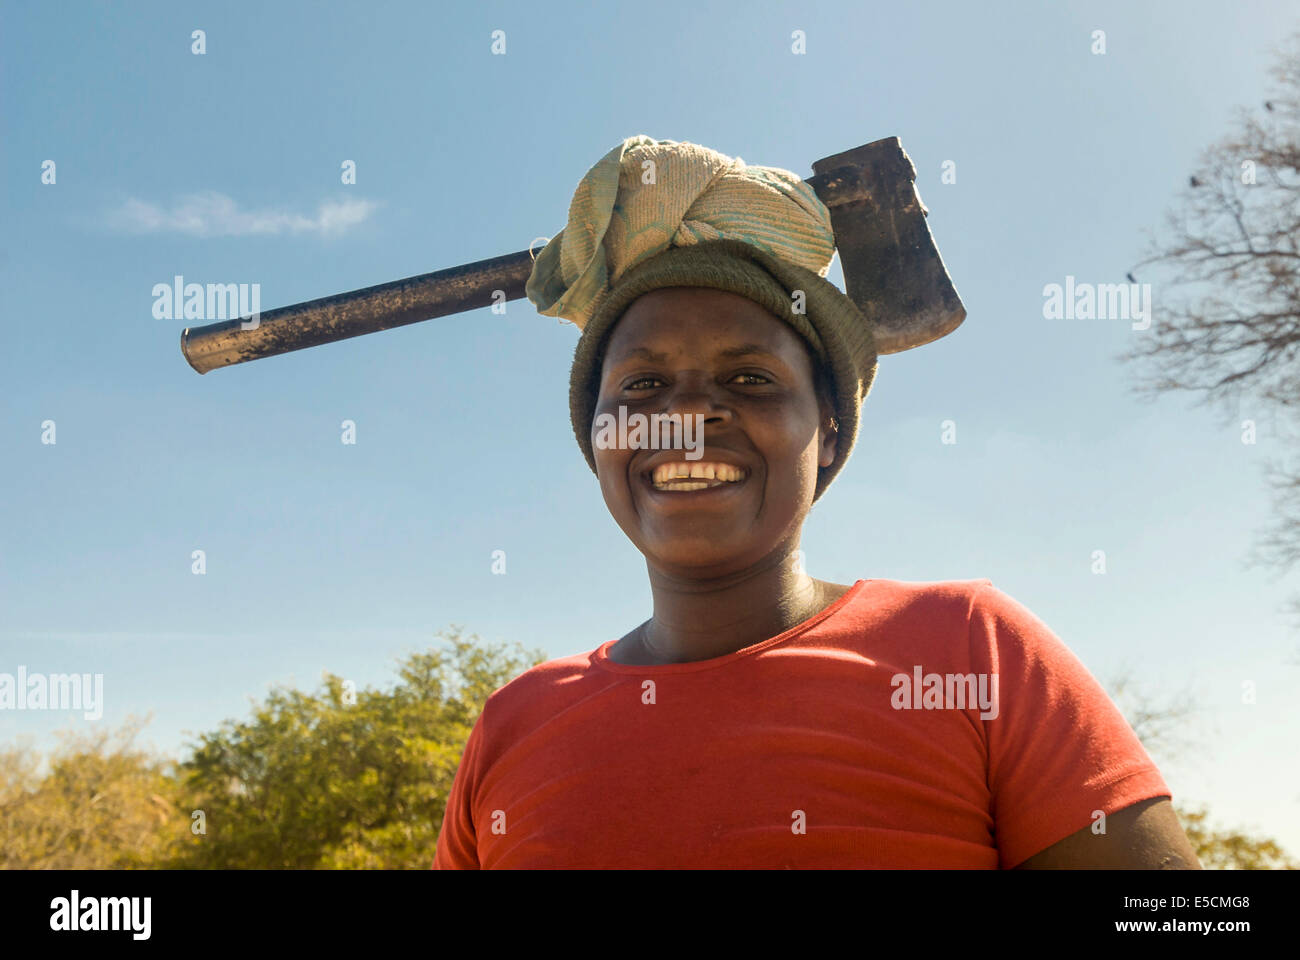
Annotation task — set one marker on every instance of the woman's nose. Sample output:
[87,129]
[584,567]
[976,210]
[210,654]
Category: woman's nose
[694,393]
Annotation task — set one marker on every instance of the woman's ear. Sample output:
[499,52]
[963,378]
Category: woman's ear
[828,434]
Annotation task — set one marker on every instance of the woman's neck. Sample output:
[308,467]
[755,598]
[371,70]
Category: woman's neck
[703,619]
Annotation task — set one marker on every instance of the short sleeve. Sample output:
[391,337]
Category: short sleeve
[1058,748]
[457,847]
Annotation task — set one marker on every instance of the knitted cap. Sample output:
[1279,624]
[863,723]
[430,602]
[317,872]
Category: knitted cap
[658,213]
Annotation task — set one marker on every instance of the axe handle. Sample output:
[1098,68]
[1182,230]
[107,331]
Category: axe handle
[352,314]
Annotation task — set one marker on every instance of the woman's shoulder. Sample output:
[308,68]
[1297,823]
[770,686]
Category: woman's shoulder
[926,592]
[942,608]
[539,690]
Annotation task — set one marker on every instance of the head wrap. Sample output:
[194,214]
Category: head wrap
[658,213]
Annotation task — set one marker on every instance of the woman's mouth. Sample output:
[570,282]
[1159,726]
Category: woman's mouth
[685,476]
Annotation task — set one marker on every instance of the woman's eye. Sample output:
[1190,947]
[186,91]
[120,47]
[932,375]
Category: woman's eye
[753,378]
[642,383]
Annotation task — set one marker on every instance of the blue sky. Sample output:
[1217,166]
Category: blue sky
[225,167]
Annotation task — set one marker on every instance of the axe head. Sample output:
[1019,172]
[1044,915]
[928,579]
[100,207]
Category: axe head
[892,269]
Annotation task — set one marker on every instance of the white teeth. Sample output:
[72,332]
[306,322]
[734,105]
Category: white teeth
[679,476]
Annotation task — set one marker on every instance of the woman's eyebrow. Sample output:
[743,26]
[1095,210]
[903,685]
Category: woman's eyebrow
[642,353]
[744,350]
[727,353]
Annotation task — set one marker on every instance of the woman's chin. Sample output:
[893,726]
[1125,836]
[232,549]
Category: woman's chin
[696,557]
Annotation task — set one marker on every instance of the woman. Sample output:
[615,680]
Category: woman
[761,717]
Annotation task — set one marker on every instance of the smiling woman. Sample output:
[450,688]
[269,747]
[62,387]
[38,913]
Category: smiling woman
[747,375]
[753,719]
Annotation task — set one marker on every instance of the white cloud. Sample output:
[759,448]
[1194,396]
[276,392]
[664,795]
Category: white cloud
[211,214]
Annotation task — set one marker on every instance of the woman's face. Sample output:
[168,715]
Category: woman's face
[697,351]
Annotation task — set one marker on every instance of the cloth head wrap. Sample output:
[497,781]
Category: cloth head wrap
[660,213]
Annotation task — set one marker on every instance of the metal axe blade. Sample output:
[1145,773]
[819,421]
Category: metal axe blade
[892,271]
[892,268]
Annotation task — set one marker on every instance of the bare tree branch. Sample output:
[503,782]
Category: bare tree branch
[1226,304]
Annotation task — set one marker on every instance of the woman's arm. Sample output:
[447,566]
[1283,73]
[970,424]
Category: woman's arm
[1144,836]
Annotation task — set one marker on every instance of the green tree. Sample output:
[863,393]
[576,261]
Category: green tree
[100,803]
[341,778]
[1227,849]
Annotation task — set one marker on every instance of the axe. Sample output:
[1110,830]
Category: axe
[892,271]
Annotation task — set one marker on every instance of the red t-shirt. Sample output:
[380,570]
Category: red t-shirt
[906,725]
